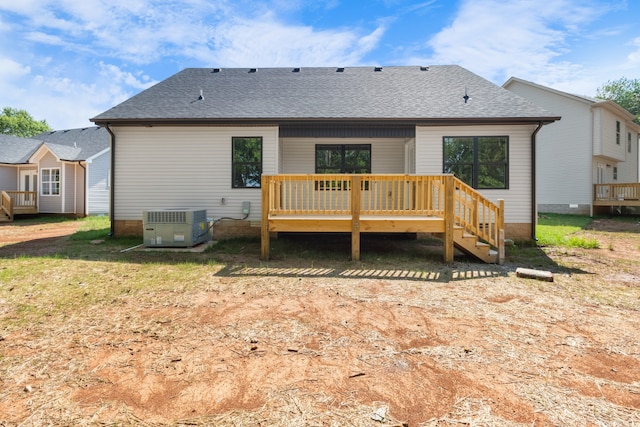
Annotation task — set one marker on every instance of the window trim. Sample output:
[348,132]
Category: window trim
[234,163]
[476,164]
[343,148]
[48,183]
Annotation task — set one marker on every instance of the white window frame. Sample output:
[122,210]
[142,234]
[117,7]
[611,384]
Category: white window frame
[47,186]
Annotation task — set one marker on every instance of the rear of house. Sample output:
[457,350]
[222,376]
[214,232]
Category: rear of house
[203,138]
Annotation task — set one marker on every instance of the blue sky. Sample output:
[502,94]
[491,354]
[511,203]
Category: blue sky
[68,60]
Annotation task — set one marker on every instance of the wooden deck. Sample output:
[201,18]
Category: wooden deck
[16,203]
[616,195]
[355,204]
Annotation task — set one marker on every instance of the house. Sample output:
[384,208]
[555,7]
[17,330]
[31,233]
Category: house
[587,160]
[64,172]
[204,138]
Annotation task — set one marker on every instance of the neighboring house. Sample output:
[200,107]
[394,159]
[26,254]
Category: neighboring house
[64,172]
[203,138]
[596,142]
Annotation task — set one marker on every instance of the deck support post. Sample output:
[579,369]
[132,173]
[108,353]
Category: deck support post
[500,221]
[264,229]
[449,217]
[355,218]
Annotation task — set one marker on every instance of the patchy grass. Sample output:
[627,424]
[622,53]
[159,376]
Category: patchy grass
[561,230]
[94,335]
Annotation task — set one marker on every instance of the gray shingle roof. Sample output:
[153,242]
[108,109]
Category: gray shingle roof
[16,150]
[357,93]
[76,144]
[71,144]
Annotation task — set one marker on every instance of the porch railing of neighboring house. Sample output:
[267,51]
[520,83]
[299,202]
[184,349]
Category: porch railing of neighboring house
[6,205]
[379,203]
[623,194]
[19,202]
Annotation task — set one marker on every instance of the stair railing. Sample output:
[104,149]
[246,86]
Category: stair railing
[479,216]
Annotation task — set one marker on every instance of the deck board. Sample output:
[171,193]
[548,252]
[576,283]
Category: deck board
[368,223]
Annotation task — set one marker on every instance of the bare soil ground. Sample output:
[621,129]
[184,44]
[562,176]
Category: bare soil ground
[275,344]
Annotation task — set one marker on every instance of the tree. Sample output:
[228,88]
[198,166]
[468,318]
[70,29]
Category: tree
[20,123]
[624,92]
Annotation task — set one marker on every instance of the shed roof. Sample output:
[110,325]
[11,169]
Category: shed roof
[401,94]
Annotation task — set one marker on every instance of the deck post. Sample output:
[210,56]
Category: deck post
[500,225]
[264,229]
[355,218]
[449,217]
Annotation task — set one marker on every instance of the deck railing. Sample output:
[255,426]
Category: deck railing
[22,201]
[478,215]
[617,192]
[441,196]
[6,205]
[379,194]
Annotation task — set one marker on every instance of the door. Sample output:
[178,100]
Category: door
[28,182]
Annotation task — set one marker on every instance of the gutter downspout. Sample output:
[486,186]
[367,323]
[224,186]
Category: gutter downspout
[111,190]
[534,201]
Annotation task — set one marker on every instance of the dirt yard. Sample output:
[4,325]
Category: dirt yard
[274,344]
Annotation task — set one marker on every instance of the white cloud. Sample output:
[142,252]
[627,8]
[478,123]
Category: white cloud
[9,69]
[524,39]
[266,42]
[633,59]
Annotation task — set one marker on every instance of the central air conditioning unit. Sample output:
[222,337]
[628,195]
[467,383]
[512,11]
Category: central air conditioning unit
[175,227]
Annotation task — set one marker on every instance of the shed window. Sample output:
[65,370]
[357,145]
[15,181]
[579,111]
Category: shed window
[480,161]
[246,162]
[50,181]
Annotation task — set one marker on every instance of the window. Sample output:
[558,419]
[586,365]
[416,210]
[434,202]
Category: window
[615,173]
[629,142]
[617,132]
[480,161]
[246,162]
[50,182]
[343,158]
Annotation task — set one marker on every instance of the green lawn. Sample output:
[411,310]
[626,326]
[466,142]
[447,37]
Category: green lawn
[561,230]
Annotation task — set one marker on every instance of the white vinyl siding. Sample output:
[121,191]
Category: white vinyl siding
[298,154]
[98,190]
[564,148]
[184,167]
[50,203]
[73,201]
[517,199]
[8,178]
[606,134]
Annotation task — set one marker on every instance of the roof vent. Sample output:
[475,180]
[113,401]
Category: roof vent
[216,70]
[377,69]
[253,70]
[201,97]
[340,70]
[296,70]
[424,68]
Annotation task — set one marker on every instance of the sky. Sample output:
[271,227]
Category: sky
[66,61]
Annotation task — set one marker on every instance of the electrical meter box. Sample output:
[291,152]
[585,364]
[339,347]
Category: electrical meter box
[175,228]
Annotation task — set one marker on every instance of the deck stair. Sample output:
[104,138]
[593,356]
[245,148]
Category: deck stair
[470,244]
